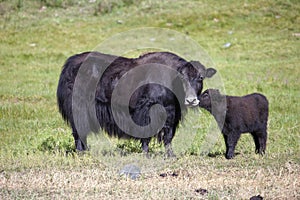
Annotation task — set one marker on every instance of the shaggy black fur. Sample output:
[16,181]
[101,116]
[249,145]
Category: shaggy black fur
[236,115]
[94,63]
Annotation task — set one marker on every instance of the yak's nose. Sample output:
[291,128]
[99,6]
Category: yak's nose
[191,101]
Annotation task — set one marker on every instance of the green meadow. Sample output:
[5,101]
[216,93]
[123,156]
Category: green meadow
[255,47]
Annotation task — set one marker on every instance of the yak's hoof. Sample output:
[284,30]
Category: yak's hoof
[80,146]
[170,154]
[146,154]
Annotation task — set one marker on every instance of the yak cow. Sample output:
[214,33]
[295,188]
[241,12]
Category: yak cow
[187,83]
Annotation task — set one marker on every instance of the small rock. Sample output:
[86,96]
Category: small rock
[131,171]
[296,34]
[258,197]
[173,174]
[216,20]
[201,191]
[43,8]
[120,21]
[227,45]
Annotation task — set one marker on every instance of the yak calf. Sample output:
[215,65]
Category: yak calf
[236,115]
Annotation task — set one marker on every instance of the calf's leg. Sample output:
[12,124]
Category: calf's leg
[256,141]
[263,142]
[260,139]
[231,140]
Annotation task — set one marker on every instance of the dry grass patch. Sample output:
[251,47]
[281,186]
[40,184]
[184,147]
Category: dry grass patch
[184,179]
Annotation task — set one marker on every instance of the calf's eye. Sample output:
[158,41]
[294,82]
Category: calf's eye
[205,95]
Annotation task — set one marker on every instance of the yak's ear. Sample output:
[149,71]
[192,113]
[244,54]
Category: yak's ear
[210,72]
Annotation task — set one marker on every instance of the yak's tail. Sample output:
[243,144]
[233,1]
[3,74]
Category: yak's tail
[66,83]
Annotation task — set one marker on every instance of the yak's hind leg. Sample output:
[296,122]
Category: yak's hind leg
[145,146]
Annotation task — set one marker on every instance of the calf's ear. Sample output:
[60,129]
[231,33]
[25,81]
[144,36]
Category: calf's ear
[210,72]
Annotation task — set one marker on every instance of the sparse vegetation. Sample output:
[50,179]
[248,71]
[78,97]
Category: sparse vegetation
[36,148]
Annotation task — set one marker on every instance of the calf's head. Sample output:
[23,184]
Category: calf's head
[194,73]
[212,98]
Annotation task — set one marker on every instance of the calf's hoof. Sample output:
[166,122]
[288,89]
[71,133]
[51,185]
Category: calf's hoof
[260,151]
[229,156]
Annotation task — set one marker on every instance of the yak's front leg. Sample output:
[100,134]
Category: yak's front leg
[80,143]
[145,146]
[168,136]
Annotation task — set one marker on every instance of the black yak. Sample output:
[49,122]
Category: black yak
[99,76]
[236,115]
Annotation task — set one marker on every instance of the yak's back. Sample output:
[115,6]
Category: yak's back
[164,58]
[68,75]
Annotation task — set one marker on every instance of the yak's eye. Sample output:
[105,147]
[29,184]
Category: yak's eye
[200,77]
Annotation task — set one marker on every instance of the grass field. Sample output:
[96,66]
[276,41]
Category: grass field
[261,55]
